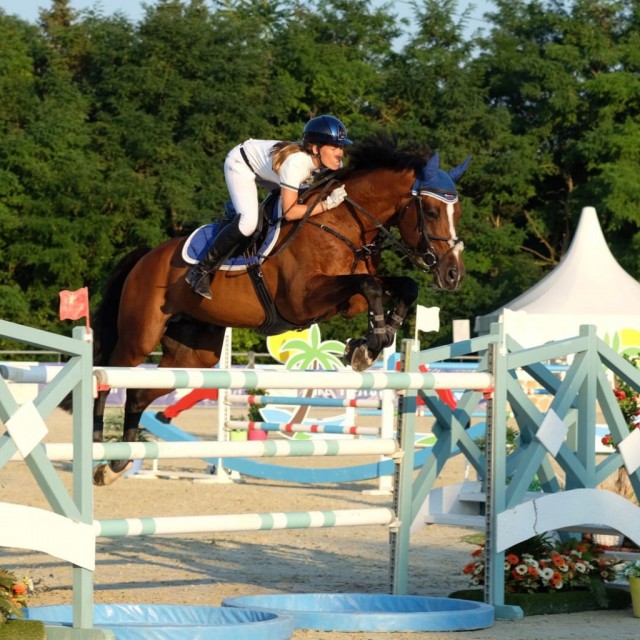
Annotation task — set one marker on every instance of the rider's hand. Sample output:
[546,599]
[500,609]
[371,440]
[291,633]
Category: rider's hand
[335,198]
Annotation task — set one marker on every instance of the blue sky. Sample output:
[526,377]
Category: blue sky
[28,9]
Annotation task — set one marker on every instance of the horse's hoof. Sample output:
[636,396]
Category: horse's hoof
[98,475]
[104,475]
[360,360]
[350,348]
[118,466]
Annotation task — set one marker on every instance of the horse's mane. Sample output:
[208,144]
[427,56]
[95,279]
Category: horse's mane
[380,151]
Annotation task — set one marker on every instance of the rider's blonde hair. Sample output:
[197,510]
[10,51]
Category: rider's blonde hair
[282,150]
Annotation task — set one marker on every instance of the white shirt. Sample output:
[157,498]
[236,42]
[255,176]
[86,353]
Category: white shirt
[295,170]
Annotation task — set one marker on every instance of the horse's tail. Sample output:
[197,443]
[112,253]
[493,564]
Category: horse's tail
[105,321]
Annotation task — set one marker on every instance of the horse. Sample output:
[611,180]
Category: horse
[319,267]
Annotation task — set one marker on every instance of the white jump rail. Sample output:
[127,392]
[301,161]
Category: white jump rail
[136,378]
[59,452]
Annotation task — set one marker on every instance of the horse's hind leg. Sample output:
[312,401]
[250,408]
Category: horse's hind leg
[186,343]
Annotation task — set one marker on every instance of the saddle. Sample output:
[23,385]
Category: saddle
[255,251]
[256,248]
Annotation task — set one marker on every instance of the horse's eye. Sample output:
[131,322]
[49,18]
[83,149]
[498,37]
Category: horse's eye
[431,213]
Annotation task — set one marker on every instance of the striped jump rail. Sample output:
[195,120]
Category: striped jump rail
[292,427]
[161,378]
[243,522]
[364,403]
[59,452]
[30,374]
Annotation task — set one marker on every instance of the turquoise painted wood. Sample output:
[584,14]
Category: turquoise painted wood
[561,437]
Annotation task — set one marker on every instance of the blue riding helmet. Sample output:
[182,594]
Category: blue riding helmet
[325,130]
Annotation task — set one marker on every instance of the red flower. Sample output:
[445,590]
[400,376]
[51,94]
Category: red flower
[19,589]
[556,579]
[512,558]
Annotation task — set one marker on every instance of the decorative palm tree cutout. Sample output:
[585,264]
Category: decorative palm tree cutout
[303,352]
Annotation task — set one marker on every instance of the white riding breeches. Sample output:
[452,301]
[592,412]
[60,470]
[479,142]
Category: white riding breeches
[241,183]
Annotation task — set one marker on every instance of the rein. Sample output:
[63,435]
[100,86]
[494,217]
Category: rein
[389,240]
[367,250]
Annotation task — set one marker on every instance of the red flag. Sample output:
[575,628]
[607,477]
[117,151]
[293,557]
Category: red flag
[74,304]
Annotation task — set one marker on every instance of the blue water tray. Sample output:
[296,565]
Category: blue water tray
[173,622]
[371,612]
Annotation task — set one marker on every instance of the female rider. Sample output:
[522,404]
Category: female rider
[272,164]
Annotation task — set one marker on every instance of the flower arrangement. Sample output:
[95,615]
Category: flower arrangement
[13,595]
[539,566]
[629,569]
[628,401]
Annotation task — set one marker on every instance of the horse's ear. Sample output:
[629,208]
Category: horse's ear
[459,170]
[430,170]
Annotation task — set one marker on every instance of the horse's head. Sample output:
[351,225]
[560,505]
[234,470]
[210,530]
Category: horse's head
[427,224]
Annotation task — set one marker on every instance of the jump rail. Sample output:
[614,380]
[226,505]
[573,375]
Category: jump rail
[58,452]
[292,427]
[244,522]
[133,378]
[361,403]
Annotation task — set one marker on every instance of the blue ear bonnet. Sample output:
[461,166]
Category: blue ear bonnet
[434,180]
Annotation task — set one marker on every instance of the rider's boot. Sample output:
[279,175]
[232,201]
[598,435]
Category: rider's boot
[199,276]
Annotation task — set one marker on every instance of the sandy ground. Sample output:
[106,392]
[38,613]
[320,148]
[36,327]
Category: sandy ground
[206,568]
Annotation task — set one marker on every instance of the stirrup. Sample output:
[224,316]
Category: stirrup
[200,281]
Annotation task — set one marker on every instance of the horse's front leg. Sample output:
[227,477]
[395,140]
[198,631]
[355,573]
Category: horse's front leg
[404,291]
[362,353]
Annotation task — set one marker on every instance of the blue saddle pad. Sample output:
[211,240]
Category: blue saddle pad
[198,243]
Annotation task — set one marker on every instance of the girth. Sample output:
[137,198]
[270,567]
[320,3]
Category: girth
[274,323]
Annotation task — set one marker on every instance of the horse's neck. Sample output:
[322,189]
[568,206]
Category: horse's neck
[376,196]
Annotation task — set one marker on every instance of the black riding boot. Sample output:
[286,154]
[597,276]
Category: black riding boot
[199,276]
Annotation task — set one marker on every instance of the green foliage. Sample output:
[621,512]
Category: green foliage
[22,630]
[113,134]
[13,596]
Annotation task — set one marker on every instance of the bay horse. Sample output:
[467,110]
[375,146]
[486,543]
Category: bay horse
[319,267]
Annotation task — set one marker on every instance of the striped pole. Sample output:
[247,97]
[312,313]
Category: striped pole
[364,403]
[58,452]
[161,378]
[243,522]
[38,374]
[292,427]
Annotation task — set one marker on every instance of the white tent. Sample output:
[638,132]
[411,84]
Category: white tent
[587,287]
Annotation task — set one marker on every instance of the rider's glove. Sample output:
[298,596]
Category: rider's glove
[335,198]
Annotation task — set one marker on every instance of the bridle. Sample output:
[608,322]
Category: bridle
[426,260]
[428,256]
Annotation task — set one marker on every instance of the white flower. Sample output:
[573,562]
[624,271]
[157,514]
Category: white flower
[521,570]
[546,574]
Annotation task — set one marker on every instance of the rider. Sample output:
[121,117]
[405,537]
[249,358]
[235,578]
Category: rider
[272,164]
